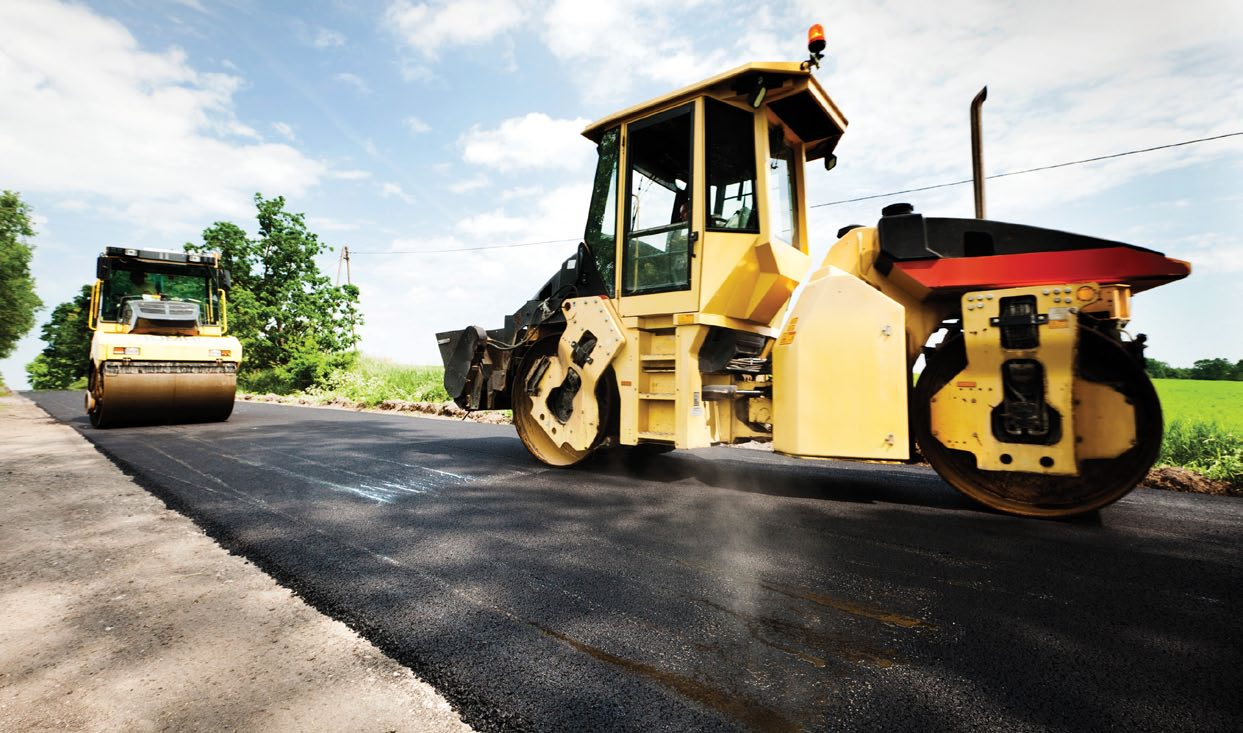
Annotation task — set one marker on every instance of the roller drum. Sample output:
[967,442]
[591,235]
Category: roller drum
[162,393]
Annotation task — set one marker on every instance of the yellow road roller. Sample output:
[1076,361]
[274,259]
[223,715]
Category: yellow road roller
[672,326]
[159,353]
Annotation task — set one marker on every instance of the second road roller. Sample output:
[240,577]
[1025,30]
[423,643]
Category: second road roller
[672,325]
[160,353]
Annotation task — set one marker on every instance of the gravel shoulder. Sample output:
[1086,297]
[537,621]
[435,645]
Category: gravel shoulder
[119,614]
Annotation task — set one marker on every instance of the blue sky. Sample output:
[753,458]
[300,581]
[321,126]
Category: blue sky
[410,127]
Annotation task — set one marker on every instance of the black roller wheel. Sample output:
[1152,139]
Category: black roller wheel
[538,442]
[1099,483]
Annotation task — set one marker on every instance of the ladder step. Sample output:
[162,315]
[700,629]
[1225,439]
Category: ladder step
[656,357]
[657,396]
[656,436]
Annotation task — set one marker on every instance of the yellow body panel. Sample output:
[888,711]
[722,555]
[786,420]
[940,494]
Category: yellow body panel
[163,348]
[962,409]
[856,253]
[785,71]
[597,316]
[840,379]
[748,279]
[1104,421]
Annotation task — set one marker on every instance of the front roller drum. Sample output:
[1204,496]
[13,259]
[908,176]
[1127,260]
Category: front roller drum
[161,394]
[533,436]
[1100,481]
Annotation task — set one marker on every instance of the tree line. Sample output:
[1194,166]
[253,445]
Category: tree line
[18,301]
[1211,369]
[295,325]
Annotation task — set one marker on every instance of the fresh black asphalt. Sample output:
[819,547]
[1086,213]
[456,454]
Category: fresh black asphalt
[714,590]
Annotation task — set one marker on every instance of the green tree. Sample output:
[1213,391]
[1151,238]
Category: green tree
[18,301]
[66,359]
[292,321]
[1211,369]
[1158,369]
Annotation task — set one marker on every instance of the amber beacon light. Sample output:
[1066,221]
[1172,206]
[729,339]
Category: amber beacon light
[815,46]
[815,39]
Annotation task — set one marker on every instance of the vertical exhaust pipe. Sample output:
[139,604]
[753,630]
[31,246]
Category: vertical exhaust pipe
[977,152]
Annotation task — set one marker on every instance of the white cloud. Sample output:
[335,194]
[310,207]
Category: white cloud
[326,38]
[416,126]
[1211,251]
[640,41]
[389,189]
[415,301]
[534,140]
[89,114]
[427,27]
[352,174]
[521,192]
[492,224]
[469,184]
[353,80]
[329,224]
[192,4]
[1058,91]
[74,205]
[285,130]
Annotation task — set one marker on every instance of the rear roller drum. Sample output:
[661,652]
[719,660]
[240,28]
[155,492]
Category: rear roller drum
[1100,482]
[158,398]
[94,400]
[532,434]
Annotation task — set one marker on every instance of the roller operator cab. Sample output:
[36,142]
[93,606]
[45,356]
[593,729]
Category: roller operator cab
[159,353]
[672,324]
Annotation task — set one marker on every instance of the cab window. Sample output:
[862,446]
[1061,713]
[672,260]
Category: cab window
[782,187]
[601,234]
[731,168]
[656,255]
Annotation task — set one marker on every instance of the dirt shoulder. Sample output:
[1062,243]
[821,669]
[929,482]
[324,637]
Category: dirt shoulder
[119,614]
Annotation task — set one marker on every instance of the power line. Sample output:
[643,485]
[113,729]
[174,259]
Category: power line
[460,249]
[1029,170]
[835,203]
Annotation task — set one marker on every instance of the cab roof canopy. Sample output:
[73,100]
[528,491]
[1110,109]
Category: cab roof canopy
[792,94]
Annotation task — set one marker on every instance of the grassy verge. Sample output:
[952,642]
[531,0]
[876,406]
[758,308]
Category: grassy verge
[367,381]
[1205,448]
[1203,428]
[370,381]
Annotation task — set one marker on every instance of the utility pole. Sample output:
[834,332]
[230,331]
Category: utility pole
[344,258]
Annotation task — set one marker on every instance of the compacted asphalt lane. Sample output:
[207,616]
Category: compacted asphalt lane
[713,590]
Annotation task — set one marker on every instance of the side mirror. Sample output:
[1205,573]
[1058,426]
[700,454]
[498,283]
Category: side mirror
[830,162]
[226,279]
[103,268]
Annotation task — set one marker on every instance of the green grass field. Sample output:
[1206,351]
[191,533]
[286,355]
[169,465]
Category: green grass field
[370,381]
[1190,401]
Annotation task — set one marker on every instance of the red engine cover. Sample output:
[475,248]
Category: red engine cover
[1141,269]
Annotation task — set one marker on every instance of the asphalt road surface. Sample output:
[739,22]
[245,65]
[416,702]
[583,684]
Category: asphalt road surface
[713,590]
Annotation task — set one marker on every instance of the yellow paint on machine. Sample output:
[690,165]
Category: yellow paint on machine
[840,386]
[153,347]
[961,415]
[583,316]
